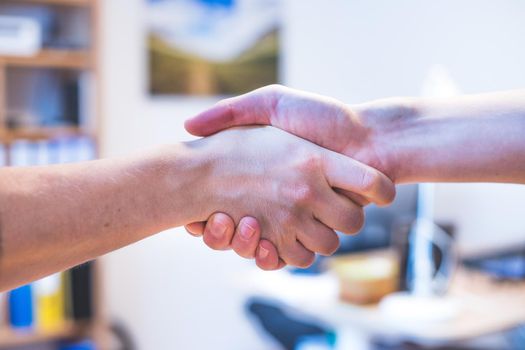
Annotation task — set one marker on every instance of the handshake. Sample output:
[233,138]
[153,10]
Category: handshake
[278,193]
[277,173]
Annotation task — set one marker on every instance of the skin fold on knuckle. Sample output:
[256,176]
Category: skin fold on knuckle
[286,244]
[226,104]
[304,197]
[369,181]
[354,221]
[296,194]
[306,262]
[305,190]
[330,246]
[303,260]
[310,161]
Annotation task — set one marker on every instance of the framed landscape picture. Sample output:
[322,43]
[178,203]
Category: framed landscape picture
[212,47]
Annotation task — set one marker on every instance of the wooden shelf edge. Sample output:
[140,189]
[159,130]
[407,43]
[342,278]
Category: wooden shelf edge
[41,133]
[51,58]
[83,3]
[15,338]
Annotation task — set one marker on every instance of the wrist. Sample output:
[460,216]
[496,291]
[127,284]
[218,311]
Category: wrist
[180,173]
[387,146]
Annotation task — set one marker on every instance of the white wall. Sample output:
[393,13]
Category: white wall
[172,291]
[357,50]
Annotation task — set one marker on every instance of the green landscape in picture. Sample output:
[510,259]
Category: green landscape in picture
[173,71]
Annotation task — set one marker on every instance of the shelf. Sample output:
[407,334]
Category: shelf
[52,2]
[40,133]
[10,338]
[51,58]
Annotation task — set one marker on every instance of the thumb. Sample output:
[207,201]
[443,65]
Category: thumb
[348,174]
[195,229]
[255,107]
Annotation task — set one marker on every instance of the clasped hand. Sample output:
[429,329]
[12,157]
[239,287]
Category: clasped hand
[278,197]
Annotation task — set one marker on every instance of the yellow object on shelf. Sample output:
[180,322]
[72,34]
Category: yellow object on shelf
[49,293]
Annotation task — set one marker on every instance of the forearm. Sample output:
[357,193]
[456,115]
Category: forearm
[478,138]
[52,218]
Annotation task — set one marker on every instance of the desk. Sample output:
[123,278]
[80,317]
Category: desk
[486,307]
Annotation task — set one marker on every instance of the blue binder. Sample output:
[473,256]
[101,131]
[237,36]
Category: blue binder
[20,304]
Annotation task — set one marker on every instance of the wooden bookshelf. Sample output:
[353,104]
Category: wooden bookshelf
[51,58]
[84,60]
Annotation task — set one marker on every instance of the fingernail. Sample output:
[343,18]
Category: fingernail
[263,252]
[246,232]
[218,229]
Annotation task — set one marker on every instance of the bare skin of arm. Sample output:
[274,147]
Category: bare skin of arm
[55,217]
[472,138]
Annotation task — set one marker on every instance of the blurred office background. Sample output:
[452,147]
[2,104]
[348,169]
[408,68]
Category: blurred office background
[172,292]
